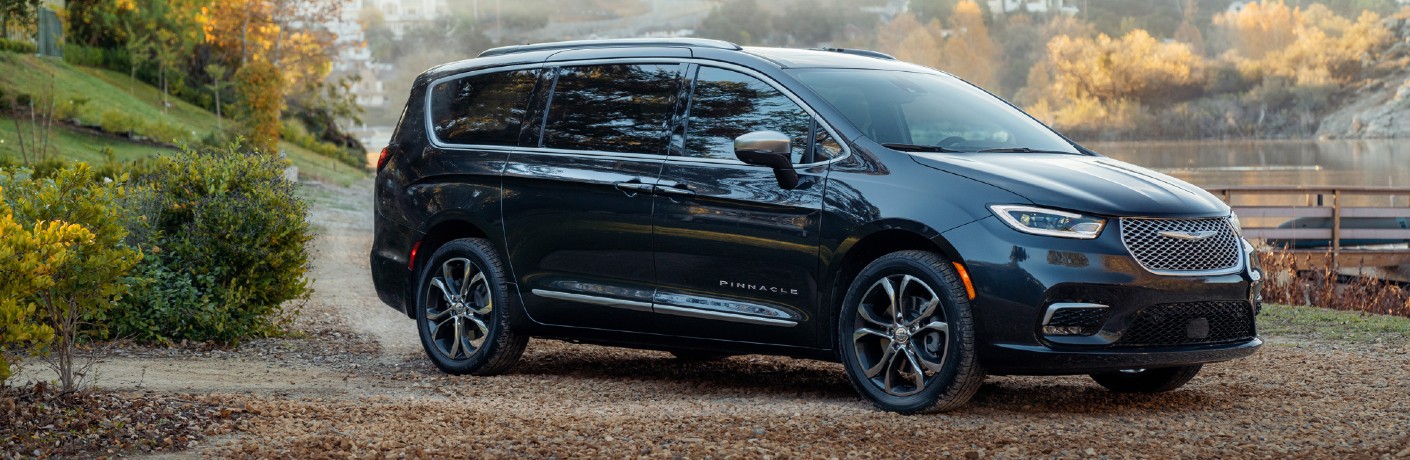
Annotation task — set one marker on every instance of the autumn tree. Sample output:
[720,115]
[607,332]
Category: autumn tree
[909,40]
[969,52]
[16,11]
[739,21]
[259,88]
[1314,48]
[1104,81]
[1260,28]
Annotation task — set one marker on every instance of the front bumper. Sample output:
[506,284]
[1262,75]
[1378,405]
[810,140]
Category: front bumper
[1018,276]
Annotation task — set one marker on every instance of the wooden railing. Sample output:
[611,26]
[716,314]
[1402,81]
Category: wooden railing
[1326,202]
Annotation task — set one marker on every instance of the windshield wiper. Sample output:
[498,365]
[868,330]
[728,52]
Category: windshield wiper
[1020,150]
[918,148]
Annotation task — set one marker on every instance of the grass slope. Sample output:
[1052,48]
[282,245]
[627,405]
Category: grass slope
[107,90]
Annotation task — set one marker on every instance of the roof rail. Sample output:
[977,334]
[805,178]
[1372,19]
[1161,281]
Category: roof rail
[867,53]
[612,43]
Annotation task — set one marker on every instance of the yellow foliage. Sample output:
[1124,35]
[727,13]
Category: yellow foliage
[969,51]
[1261,27]
[965,49]
[1086,83]
[1315,46]
[28,261]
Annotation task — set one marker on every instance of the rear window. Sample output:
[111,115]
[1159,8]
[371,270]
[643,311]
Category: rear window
[486,109]
[612,108]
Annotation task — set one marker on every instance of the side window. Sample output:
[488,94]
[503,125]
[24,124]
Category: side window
[824,146]
[482,109]
[612,108]
[727,104]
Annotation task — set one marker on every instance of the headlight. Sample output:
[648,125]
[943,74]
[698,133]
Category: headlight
[1050,222]
[1234,220]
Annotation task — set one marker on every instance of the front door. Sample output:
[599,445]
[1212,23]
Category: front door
[736,254]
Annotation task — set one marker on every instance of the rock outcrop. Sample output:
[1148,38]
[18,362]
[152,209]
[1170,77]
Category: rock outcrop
[1379,109]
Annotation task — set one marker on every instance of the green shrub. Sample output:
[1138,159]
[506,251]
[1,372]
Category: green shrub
[295,132]
[26,257]
[83,55]
[228,244]
[119,122]
[75,212]
[17,46]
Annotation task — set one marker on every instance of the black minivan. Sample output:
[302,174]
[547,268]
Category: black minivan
[708,199]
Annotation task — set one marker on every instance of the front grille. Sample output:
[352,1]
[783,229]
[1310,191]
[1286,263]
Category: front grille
[1170,255]
[1190,323]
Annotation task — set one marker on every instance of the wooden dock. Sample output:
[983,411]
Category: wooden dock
[1253,203]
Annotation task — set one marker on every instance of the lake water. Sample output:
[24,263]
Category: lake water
[1308,163]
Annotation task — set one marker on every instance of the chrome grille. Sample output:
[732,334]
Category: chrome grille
[1175,256]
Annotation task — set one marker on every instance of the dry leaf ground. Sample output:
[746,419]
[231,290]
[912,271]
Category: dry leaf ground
[357,386]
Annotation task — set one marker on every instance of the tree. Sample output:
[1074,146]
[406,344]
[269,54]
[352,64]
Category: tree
[969,51]
[1261,27]
[909,40]
[21,11]
[739,21]
[87,260]
[809,23]
[139,52]
[27,256]
[259,89]
[217,74]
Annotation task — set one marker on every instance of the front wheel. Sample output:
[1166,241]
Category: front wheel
[907,336]
[462,311]
[1147,380]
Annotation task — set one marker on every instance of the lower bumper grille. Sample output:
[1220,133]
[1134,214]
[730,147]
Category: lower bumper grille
[1190,323]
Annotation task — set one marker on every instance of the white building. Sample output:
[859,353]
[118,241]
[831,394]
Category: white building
[1032,6]
[403,14]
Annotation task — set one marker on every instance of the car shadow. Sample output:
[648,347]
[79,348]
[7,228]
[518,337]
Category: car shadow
[826,381]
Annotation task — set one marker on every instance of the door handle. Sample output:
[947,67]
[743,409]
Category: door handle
[634,186]
[676,189]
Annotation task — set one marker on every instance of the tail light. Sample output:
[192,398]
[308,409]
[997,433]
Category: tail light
[382,159]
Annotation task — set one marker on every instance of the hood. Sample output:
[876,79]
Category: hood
[1092,184]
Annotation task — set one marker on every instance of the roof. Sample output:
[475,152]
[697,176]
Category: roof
[612,43]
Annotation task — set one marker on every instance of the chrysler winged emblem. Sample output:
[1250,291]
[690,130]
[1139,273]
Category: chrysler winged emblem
[1189,236]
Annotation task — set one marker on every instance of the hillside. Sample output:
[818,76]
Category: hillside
[97,97]
[1377,108]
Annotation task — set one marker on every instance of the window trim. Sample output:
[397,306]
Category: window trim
[668,156]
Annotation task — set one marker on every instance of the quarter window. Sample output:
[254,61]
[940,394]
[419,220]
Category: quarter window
[727,104]
[482,109]
[612,108]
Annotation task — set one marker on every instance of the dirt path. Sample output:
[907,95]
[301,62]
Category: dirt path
[357,385]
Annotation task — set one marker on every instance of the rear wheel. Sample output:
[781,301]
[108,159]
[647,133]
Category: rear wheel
[907,335]
[1147,380]
[462,313]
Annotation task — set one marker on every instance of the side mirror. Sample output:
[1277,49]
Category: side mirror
[768,148]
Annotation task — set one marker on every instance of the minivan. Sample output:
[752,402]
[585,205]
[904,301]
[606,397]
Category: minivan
[707,199]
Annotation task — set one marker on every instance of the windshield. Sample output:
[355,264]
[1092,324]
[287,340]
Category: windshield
[895,107]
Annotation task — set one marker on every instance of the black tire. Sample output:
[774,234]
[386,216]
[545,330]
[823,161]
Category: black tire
[698,355]
[1147,380]
[949,376]
[471,262]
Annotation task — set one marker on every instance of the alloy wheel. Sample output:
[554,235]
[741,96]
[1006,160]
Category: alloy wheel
[900,337]
[458,308]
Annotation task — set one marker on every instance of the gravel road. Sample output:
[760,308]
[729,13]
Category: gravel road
[356,384]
